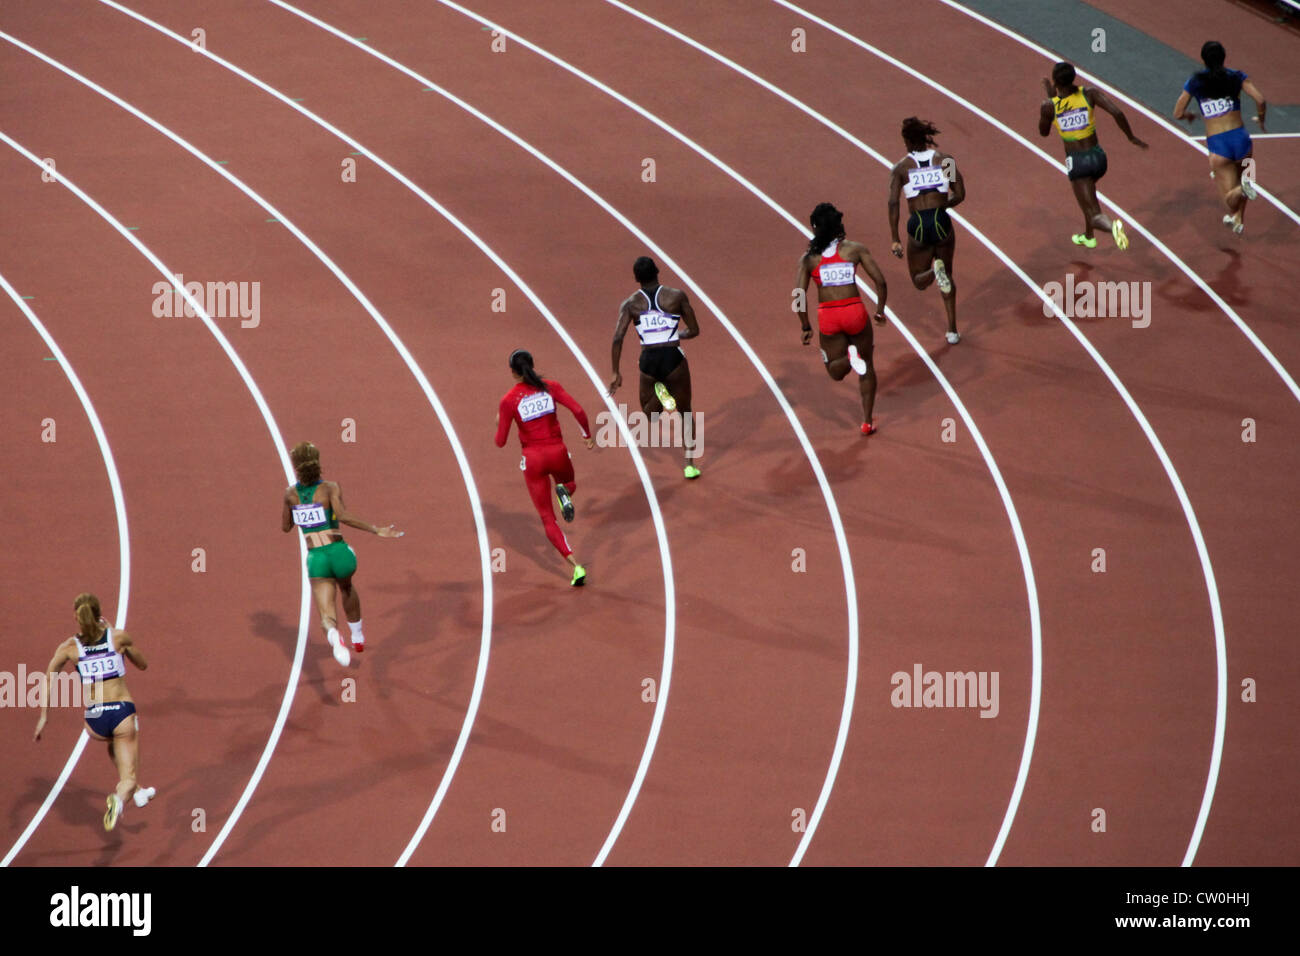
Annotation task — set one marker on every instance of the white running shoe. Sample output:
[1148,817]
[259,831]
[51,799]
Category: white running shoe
[941,277]
[856,362]
[1248,189]
[143,795]
[953,337]
[340,652]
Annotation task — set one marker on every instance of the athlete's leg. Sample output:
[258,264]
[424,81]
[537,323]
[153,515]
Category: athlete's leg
[945,251]
[351,600]
[537,476]
[1085,192]
[679,384]
[649,401]
[835,353]
[865,342]
[126,757]
[323,590]
[920,263]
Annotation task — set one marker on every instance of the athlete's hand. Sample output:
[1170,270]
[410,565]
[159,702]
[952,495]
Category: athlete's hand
[1047,87]
[1260,120]
[807,335]
[40,727]
[897,249]
[615,382]
[880,318]
[590,442]
[389,531]
[1137,142]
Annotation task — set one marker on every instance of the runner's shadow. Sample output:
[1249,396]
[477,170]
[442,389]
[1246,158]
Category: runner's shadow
[271,627]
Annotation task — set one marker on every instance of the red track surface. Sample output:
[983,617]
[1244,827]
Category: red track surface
[1128,682]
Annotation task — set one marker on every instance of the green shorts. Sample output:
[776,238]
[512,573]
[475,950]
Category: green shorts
[335,560]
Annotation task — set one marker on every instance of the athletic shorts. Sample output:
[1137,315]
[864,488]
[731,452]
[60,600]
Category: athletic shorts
[929,227]
[1235,144]
[847,315]
[334,560]
[661,361]
[1086,164]
[103,719]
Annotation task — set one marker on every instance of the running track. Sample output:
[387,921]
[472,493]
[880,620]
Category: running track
[756,655]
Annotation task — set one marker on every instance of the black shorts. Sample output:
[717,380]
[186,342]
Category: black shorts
[1086,164]
[929,227]
[661,361]
[104,718]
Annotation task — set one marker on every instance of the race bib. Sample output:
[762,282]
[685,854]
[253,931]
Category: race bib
[1072,120]
[836,273]
[97,668]
[1219,107]
[925,177]
[655,328]
[305,516]
[535,406]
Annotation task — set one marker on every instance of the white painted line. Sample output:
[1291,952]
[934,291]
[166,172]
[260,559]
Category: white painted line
[1026,565]
[123,545]
[1118,94]
[1169,254]
[1202,552]
[663,257]
[660,531]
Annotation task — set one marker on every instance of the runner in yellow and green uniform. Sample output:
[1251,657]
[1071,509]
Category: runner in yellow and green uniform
[316,508]
[1070,109]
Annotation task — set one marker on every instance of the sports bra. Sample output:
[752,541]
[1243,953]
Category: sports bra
[654,326]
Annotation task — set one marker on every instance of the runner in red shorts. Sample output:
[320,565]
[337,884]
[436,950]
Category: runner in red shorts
[846,337]
[531,403]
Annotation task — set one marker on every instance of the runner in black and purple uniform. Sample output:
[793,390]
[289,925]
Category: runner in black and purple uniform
[100,654]
[1218,93]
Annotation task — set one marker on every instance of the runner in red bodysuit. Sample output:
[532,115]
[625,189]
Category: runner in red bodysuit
[532,403]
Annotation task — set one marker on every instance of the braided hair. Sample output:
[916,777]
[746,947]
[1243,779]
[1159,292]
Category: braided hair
[521,363]
[827,225]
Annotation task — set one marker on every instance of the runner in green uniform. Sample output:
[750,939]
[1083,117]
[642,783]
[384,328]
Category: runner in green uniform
[316,508]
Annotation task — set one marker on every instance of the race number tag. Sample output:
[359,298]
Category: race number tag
[836,273]
[305,516]
[1219,107]
[925,177]
[535,406]
[1072,120]
[656,328]
[97,668]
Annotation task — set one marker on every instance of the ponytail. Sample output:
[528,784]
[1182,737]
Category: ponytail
[1215,81]
[827,225]
[87,607]
[521,363]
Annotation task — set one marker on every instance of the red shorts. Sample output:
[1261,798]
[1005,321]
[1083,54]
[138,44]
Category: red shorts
[847,315]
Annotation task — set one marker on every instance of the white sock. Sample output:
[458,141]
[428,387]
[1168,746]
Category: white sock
[357,637]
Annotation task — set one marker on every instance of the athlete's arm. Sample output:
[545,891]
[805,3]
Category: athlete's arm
[616,351]
[129,650]
[1181,112]
[286,513]
[352,521]
[801,297]
[862,256]
[1046,110]
[1253,91]
[957,185]
[688,316]
[61,656]
[1100,100]
[569,402]
[895,189]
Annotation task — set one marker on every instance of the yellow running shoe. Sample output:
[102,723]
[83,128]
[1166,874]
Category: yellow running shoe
[1079,239]
[579,577]
[691,471]
[1117,230]
[113,812]
[665,397]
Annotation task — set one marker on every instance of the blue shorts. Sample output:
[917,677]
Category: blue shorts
[103,719]
[1234,144]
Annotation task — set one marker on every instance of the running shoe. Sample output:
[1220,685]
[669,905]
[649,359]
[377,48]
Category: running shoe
[856,362]
[143,795]
[690,471]
[566,502]
[1248,189]
[113,812]
[1229,221]
[941,277]
[1079,239]
[953,337]
[358,642]
[340,652]
[665,397]
[1117,231]
[869,429]
[1238,227]
[579,577]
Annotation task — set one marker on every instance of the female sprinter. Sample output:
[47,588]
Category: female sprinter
[1070,109]
[531,403]
[846,338]
[932,184]
[316,507]
[1218,92]
[665,374]
[100,654]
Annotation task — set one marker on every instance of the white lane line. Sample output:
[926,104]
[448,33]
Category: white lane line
[123,544]
[670,599]
[1169,254]
[1220,646]
[1026,565]
[1118,94]
[1172,474]
[461,460]
[249,383]
[663,257]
